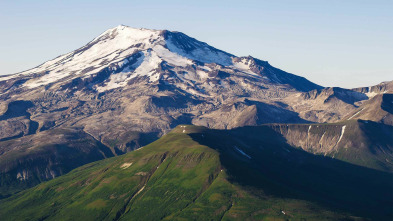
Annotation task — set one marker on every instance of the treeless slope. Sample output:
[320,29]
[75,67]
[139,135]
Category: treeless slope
[195,173]
[379,109]
[364,143]
[29,160]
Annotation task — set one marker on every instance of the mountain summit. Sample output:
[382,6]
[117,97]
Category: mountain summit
[122,54]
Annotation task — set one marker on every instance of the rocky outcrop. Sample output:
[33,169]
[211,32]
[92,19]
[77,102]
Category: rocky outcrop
[379,108]
[364,143]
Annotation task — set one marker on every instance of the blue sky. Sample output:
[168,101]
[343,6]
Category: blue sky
[346,43]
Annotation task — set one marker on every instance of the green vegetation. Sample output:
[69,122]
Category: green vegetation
[194,173]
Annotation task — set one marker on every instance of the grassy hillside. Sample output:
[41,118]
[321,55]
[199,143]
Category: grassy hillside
[195,173]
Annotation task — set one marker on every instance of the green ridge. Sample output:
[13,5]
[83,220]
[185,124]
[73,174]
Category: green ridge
[194,173]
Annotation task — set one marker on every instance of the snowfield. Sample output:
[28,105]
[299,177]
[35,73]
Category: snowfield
[114,49]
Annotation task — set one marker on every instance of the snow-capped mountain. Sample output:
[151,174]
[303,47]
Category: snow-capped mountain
[128,87]
[122,53]
[127,53]
[140,76]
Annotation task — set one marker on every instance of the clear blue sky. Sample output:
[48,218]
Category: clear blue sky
[347,43]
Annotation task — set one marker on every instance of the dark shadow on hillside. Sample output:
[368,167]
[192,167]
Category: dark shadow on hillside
[387,103]
[267,113]
[17,109]
[286,172]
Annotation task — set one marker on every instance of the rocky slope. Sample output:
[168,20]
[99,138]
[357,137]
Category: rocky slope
[363,143]
[379,109]
[134,77]
[335,104]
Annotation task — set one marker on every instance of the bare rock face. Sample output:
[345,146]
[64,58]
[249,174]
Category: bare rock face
[379,109]
[336,104]
[363,143]
[128,87]
[15,121]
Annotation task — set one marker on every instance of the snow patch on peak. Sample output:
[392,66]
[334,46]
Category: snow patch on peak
[123,37]
[145,65]
[113,46]
[169,52]
[243,65]
[170,57]
[130,33]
